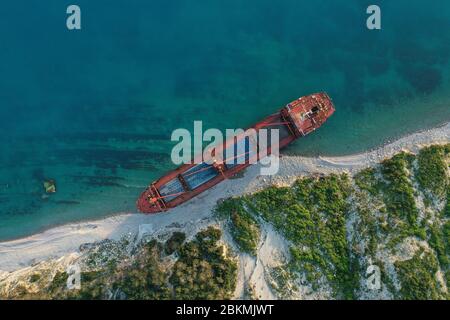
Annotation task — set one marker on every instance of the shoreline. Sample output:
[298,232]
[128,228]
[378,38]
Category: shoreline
[61,240]
[287,154]
[391,141]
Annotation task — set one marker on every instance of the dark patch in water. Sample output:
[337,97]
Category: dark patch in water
[319,62]
[381,95]
[112,178]
[111,158]
[412,52]
[355,90]
[99,181]
[38,174]
[69,202]
[423,79]
[378,66]
[97,137]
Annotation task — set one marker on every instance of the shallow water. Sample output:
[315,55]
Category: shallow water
[94,109]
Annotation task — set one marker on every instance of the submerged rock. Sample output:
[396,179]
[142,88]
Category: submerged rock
[50,186]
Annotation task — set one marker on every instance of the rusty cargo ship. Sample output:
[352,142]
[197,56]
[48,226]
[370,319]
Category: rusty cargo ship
[295,120]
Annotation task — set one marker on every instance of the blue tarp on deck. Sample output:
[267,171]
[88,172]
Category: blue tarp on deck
[199,174]
[172,187]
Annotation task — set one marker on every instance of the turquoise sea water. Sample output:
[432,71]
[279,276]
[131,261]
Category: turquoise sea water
[94,109]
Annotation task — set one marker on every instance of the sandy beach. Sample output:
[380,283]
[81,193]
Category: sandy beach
[67,239]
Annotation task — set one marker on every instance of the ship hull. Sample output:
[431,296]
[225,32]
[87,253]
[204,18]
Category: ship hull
[189,180]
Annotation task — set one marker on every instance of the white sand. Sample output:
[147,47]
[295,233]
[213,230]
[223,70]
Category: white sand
[60,241]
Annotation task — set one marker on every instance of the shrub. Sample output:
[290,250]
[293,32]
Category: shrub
[398,194]
[312,215]
[242,225]
[417,277]
[175,242]
[432,171]
[202,270]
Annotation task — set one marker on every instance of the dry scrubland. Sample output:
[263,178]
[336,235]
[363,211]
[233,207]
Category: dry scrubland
[314,238]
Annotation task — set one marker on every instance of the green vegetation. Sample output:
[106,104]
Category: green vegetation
[446,241]
[366,180]
[242,225]
[371,210]
[335,225]
[440,244]
[146,278]
[399,198]
[439,240]
[281,282]
[386,204]
[447,205]
[417,277]
[35,277]
[175,242]
[203,271]
[432,171]
[394,198]
[312,216]
[432,175]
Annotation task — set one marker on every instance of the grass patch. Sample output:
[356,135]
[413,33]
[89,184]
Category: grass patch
[203,271]
[370,210]
[312,216]
[242,225]
[35,277]
[146,278]
[175,242]
[366,180]
[398,194]
[432,171]
[417,277]
[447,205]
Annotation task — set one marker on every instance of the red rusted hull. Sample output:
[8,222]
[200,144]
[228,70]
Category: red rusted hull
[296,119]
